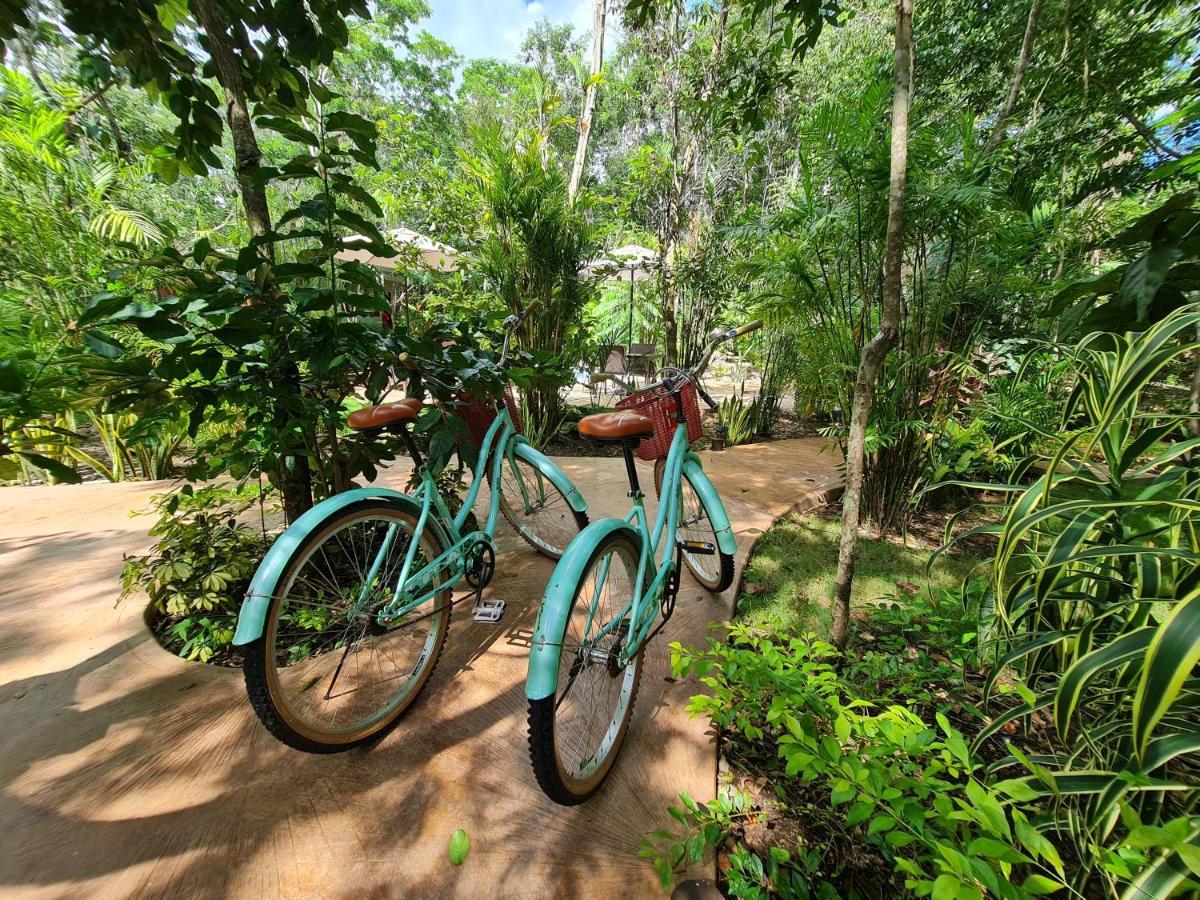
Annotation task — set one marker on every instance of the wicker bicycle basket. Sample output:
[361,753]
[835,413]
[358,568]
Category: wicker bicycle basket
[658,405]
[479,414]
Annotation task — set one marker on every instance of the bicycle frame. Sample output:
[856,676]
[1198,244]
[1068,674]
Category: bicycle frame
[501,445]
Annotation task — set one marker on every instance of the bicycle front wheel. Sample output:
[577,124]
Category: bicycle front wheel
[329,673]
[537,509]
[714,572]
[576,733]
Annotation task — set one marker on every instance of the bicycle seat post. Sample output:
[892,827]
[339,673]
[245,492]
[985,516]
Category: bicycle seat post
[413,450]
[635,489]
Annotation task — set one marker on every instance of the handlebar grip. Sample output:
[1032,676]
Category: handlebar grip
[747,328]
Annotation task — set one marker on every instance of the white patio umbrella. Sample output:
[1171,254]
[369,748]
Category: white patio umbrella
[630,263]
[430,253]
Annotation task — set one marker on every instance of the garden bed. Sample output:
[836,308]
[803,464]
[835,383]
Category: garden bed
[912,647]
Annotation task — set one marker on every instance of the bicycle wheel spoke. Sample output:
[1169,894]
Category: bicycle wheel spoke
[593,690]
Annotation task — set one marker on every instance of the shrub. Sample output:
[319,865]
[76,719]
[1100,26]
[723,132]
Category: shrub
[197,572]
[1095,587]
[910,789]
[737,419]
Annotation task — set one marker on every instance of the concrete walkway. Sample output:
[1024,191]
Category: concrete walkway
[125,771]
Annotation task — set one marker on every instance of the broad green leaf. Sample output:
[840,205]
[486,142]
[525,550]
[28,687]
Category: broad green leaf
[52,467]
[994,849]
[859,812]
[103,344]
[460,846]
[1173,654]
[1040,884]
[1076,678]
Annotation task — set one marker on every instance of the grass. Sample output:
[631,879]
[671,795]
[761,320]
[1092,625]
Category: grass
[789,581]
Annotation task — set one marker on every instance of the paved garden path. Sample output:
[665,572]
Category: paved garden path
[125,771]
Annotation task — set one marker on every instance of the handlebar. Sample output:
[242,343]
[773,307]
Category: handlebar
[678,376]
[511,324]
[747,328]
[719,336]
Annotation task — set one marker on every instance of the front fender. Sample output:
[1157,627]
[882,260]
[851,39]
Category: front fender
[551,624]
[265,583]
[708,495]
[551,471]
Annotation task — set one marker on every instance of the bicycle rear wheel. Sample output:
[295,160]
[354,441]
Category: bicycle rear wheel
[714,572]
[537,509]
[576,733]
[328,674]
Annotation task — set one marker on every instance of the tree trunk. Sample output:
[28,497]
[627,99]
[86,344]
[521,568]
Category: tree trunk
[1014,86]
[247,156]
[292,469]
[589,100]
[877,349]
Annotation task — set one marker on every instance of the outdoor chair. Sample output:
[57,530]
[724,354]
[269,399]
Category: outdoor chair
[642,359]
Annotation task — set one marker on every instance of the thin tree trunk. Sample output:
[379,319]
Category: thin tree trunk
[247,156]
[589,100]
[124,148]
[877,349]
[295,480]
[1014,86]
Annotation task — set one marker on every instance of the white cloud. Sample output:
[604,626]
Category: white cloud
[496,27]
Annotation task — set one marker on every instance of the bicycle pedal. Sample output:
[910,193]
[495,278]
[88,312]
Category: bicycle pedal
[489,611]
[697,548]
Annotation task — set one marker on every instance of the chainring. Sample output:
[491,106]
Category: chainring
[481,565]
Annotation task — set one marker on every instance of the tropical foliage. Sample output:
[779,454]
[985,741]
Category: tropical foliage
[977,255]
[1093,604]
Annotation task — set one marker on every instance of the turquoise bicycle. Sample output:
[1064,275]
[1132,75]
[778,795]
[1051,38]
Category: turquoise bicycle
[347,615]
[619,578]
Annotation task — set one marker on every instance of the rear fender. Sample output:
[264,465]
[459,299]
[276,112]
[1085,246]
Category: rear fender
[551,471]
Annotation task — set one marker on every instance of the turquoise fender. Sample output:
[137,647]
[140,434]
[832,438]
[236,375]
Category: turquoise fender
[551,471]
[542,680]
[266,579]
[726,542]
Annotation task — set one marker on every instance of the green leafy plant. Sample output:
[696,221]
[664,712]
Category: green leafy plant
[705,826]
[1095,595]
[737,419]
[131,452]
[536,240]
[198,570]
[910,789]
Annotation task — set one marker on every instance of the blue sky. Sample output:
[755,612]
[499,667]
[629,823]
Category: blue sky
[477,28]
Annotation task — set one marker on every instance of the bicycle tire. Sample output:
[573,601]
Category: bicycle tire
[545,718]
[263,684]
[722,576]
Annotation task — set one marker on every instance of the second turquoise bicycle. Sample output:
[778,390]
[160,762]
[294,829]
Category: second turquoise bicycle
[615,587]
